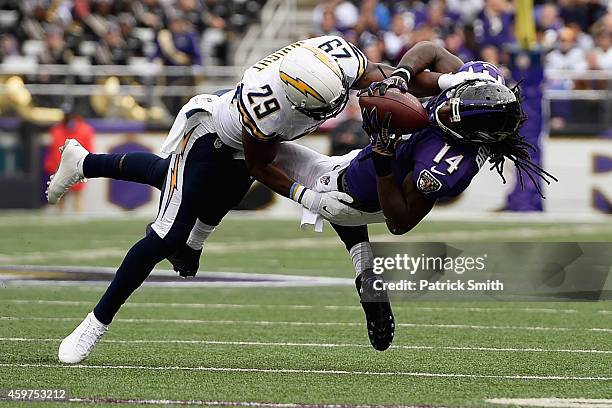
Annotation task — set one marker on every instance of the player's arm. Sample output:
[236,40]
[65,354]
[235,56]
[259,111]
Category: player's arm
[259,156]
[423,84]
[403,207]
[411,70]
[427,55]
[401,210]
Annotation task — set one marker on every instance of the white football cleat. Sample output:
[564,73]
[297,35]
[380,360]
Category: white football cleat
[69,172]
[77,346]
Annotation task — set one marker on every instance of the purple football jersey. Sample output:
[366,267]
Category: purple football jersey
[437,168]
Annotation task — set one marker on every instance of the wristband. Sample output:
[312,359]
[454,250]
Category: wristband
[382,164]
[305,196]
[296,192]
[403,72]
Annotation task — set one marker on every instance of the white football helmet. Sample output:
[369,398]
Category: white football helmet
[314,82]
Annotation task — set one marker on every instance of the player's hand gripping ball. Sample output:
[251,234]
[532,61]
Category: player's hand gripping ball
[407,113]
[380,88]
[382,137]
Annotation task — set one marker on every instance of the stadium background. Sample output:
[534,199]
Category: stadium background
[272,319]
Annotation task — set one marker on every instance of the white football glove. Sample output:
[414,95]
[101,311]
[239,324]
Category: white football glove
[331,205]
[446,81]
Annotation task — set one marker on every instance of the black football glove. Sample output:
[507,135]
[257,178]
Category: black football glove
[370,122]
[398,79]
[382,138]
[186,261]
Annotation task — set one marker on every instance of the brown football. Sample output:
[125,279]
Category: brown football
[407,113]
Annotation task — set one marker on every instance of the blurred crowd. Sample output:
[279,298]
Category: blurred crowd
[111,32]
[576,34]
[138,33]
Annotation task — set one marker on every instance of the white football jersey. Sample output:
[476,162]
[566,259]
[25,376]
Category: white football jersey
[259,103]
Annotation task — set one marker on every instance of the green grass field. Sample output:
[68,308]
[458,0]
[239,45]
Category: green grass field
[303,345]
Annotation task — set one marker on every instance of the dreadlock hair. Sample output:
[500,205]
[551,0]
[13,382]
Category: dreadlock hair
[500,134]
[515,148]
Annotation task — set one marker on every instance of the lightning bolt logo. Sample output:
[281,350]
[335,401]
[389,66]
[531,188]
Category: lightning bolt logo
[301,86]
[174,170]
[174,176]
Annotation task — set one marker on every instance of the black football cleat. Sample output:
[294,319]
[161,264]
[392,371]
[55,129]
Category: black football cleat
[377,308]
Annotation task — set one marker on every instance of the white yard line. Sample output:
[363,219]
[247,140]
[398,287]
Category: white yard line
[554,402]
[538,310]
[207,403]
[308,371]
[301,307]
[310,323]
[320,345]
[181,305]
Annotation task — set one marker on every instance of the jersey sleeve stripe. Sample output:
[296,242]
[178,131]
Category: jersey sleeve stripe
[249,123]
[361,59]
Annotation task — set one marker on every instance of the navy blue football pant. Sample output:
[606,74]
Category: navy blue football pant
[203,182]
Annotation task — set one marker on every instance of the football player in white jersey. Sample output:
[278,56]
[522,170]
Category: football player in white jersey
[219,144]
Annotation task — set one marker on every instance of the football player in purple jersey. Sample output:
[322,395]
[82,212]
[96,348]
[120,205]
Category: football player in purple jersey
[399,178]
[403,177]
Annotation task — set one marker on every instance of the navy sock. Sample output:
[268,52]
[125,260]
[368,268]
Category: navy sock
[140,167]
[136,266]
